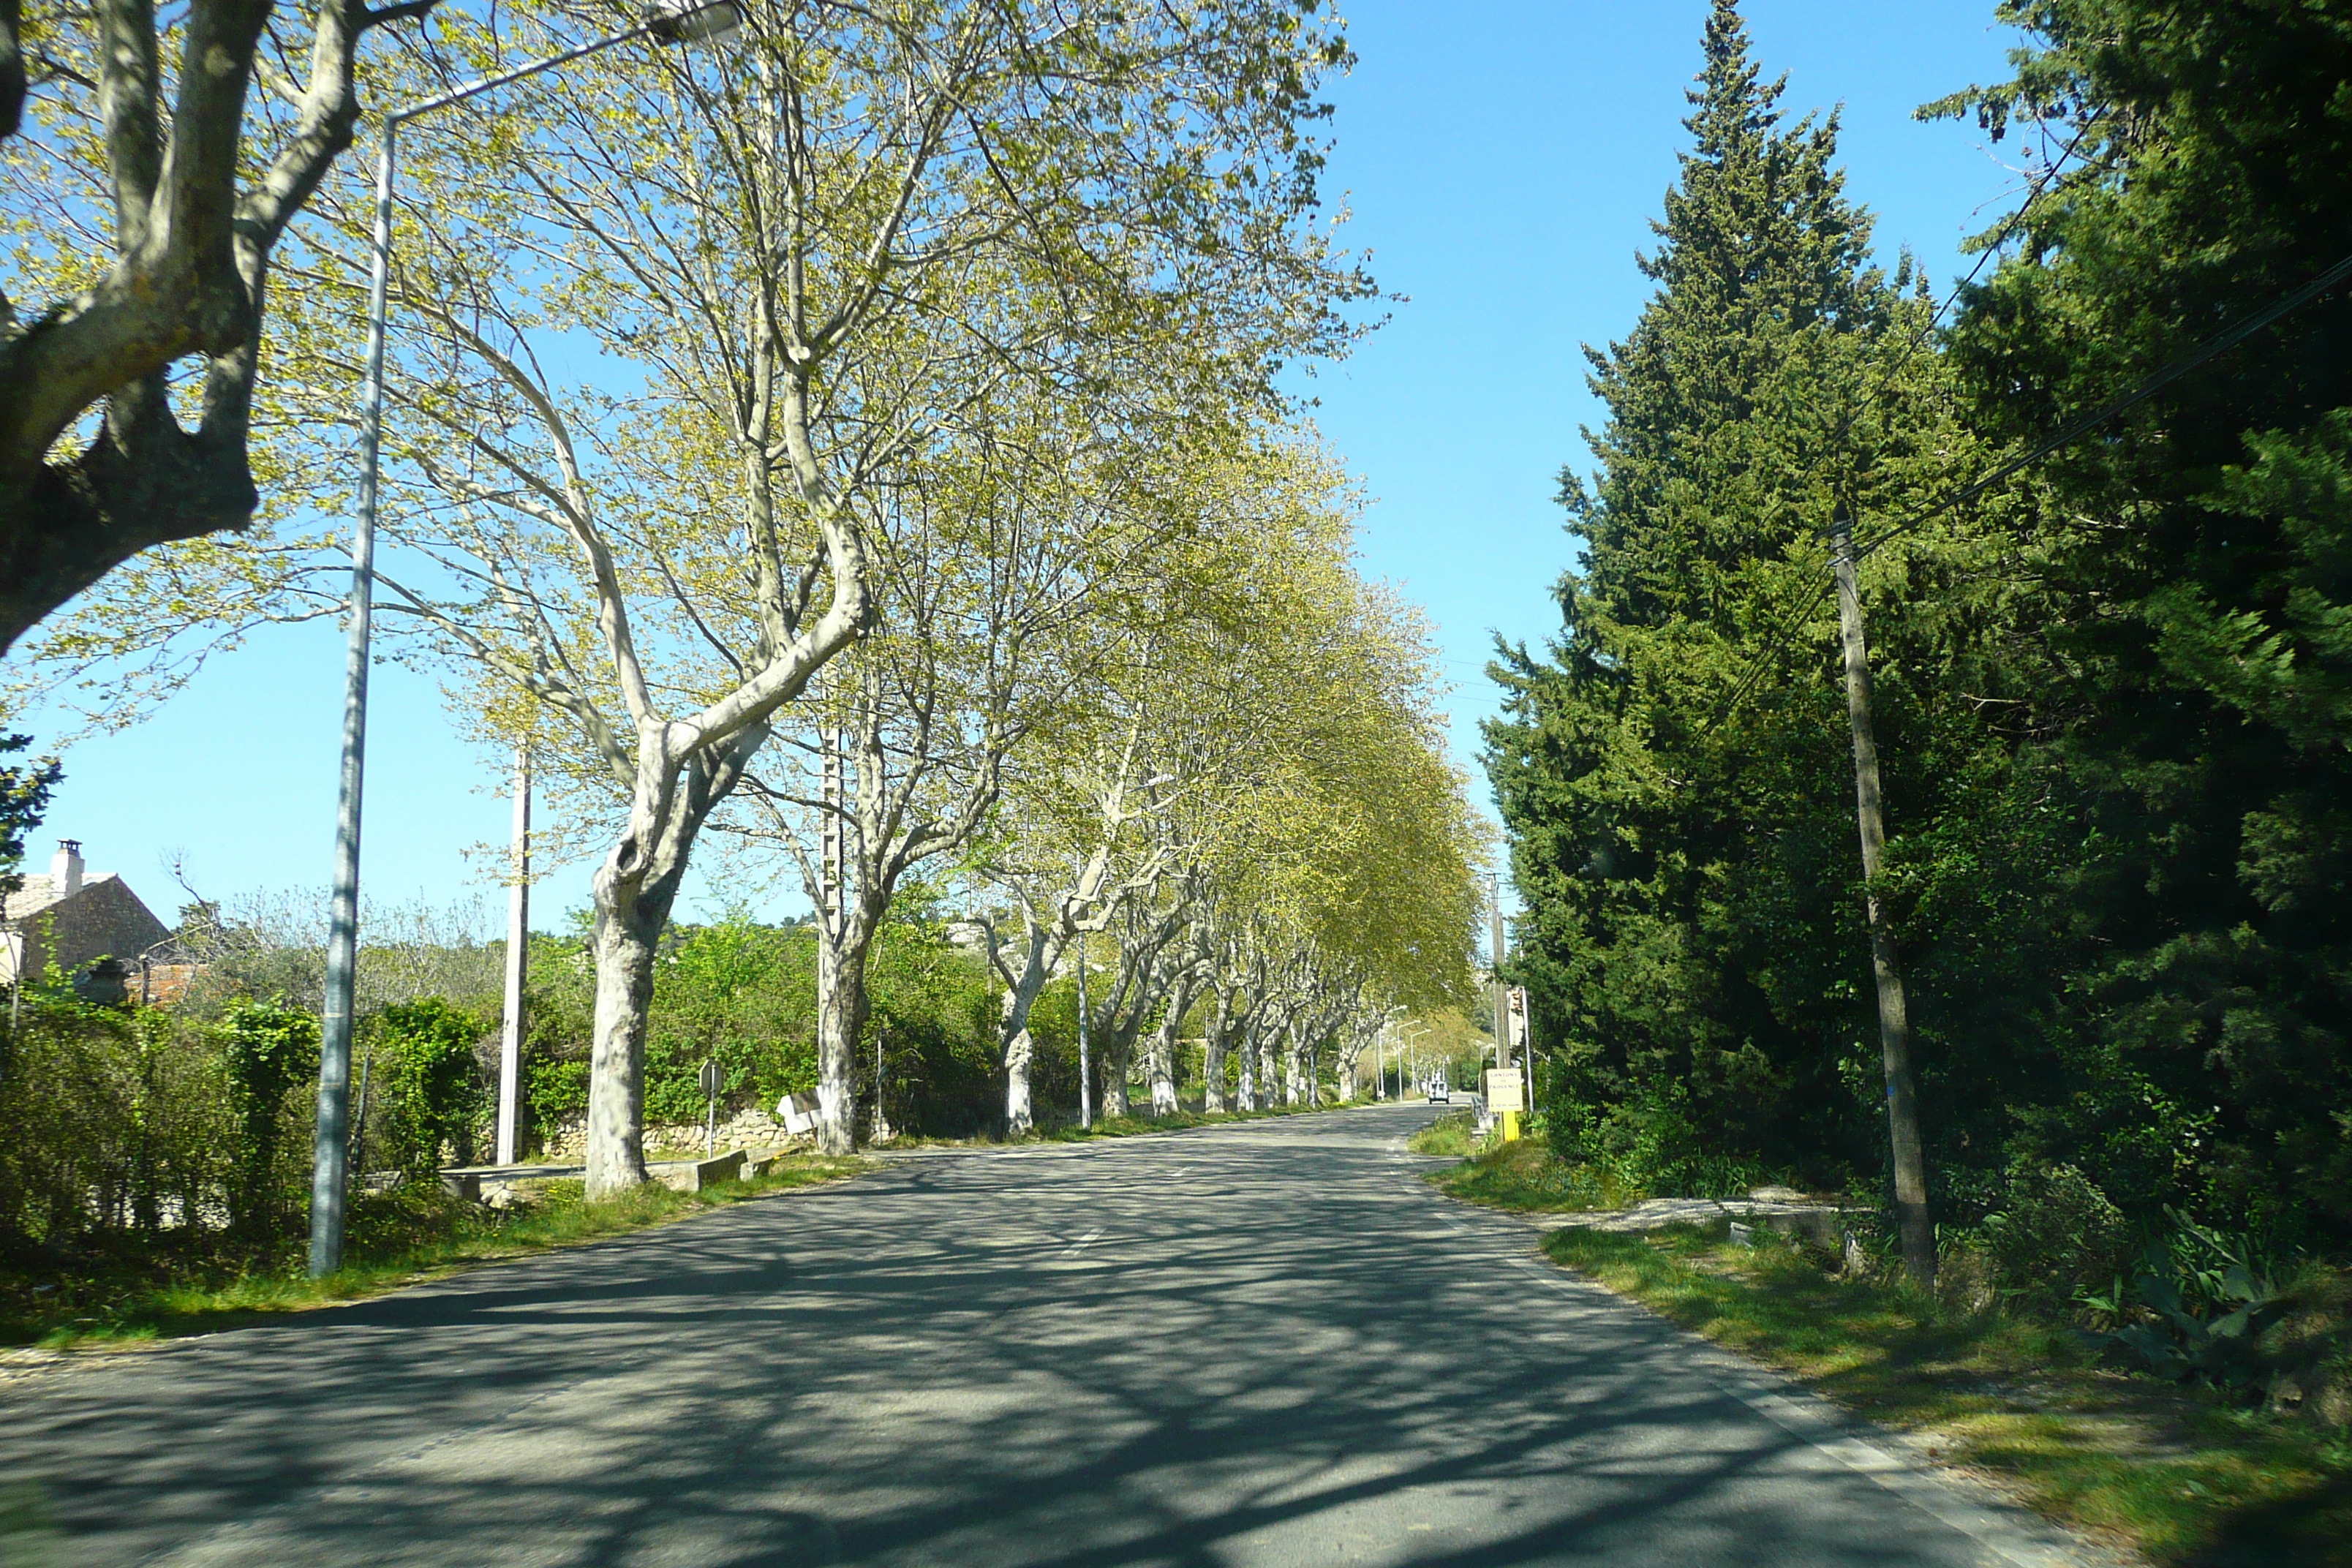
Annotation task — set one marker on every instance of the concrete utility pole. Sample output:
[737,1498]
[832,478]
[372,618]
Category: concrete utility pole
[1085,1086]
[1894,1012]
[518,966]
[1502,1004]
[1495,973]
[675,22]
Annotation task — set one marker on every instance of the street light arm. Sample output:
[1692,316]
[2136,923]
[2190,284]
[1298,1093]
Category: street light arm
[672,28]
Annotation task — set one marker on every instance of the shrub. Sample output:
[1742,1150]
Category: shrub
[2199,1307]
[2053,1237]
[267,1049]
[436,1098]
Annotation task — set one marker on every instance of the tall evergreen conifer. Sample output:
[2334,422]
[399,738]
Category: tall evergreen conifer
[1693,931]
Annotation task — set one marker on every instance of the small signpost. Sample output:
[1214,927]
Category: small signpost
[1505,1099]
[710,1092]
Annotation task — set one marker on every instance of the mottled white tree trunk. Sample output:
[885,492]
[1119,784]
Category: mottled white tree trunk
[1160,1068]
[1119,1060]
[842,1008]
[1246,1092]
[1022,987]
[1213,1056]
[1019,1115]
[625,943]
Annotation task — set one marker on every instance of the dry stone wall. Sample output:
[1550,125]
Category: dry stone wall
[567,1144]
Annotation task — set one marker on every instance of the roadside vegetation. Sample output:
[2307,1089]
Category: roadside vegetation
[2044,572]
[2184,1473]
[1452,1133]
[2190,1440]
[1521,1175]
[402,1237]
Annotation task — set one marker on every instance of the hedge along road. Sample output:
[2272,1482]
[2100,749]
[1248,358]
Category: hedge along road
[1259,1345]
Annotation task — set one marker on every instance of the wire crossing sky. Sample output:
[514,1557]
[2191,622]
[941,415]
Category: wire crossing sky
[1501,161]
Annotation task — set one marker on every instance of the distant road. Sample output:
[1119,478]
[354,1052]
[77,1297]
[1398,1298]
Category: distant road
[1267,1344]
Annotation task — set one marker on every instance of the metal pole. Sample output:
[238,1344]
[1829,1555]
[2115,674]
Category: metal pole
[1085,1070]
[518,968]
[1502,1000]
[331,1148]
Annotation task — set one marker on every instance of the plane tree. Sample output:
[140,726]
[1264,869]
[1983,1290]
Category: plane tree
[672,338]
[144,188]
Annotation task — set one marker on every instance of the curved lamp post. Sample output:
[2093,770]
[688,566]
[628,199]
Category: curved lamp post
[676,23]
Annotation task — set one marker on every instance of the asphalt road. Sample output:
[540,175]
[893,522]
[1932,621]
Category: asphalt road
[1268,1346]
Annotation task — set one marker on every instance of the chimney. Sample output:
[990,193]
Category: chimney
[65,869]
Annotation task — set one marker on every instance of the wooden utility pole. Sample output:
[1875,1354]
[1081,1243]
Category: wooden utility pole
[1894,1012]
[518,968]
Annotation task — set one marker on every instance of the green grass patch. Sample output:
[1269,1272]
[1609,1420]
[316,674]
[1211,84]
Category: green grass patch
[2173,1473]
[1522,1174]
[1453,1133]
[396,1239]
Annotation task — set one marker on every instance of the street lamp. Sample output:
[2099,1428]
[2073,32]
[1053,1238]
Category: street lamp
[1413,1034]
[1381,1053]
[674,24]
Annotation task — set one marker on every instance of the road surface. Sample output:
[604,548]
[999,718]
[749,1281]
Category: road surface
[1268,1344]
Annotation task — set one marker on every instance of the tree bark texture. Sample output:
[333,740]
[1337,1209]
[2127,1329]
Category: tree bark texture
[1022,987]
[1917,1225]
[1160,1071]
[634,891]
[1119,1060]
[842,1008]
[1020,1052]
[1212,1055]
[628,935]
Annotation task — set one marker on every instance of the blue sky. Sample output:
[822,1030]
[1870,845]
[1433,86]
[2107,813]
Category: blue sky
[1502,161]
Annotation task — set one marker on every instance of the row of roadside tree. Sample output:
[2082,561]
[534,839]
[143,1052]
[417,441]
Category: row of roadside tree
[853,452]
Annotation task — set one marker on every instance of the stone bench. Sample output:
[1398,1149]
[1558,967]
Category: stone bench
[496,1184]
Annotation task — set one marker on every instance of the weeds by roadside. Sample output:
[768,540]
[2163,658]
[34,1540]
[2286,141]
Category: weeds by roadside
[414,1233]
[1452,1133]
[1522,1175]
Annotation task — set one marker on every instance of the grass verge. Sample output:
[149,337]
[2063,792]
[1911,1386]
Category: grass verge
[2168,1472]
[1520,1176]
[399,1239]
[1453,1133]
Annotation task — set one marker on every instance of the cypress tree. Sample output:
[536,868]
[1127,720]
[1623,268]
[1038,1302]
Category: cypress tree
[1688,862]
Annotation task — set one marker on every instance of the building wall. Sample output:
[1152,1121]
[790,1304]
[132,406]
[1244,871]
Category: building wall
[105,918]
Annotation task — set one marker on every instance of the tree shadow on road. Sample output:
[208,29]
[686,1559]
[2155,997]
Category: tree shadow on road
[1199,1350]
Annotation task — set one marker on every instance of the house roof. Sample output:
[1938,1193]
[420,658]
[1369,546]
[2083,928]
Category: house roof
[38,894]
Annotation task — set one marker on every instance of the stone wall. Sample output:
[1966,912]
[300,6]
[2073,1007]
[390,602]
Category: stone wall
[750,1129]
